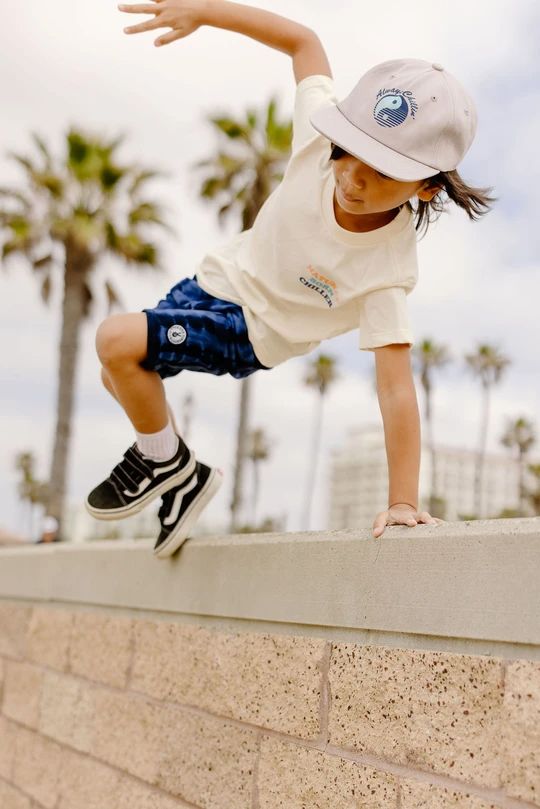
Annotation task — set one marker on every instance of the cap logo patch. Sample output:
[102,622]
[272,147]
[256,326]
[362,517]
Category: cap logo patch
[394,106]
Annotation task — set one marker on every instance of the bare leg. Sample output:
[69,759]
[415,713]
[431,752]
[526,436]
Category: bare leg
[107,382]
[121,343]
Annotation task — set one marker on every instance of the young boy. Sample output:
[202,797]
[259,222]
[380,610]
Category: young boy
[332,249]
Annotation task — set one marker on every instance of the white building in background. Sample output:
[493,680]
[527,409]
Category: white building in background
[359,480]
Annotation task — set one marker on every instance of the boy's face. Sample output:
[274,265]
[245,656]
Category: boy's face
[362,190]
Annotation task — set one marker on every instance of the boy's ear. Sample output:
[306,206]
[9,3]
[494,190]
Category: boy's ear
[428,190]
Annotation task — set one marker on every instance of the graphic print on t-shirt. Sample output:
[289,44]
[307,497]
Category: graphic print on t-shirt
[324,286]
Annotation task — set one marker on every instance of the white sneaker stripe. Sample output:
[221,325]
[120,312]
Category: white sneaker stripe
[177,502]
[144,483]
[139,490]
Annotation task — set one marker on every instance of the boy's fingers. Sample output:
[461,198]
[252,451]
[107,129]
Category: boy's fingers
[426,517]
[379,524]
[164,40]
[140,9]
[150,25]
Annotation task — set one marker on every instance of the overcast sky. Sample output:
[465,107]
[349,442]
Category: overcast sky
[70,63]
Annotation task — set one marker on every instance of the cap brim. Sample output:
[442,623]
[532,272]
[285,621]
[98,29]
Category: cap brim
[331,123]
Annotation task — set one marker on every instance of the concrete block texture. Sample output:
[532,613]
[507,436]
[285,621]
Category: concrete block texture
[66,710]
[36,768]
[416,795]
[101,648]
[209,762]
[88,784]
[11,798]
[49,632]
[520,738]
[22,692]
[8,731]
[13,630]
[293,777]
[267,680]
[200,759]
[434,711]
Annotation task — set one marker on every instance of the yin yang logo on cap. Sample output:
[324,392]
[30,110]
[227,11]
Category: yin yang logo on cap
[407,118]
[394,106]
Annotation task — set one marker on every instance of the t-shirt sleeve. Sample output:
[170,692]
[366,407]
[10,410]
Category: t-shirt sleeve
[384,319]
[311,93]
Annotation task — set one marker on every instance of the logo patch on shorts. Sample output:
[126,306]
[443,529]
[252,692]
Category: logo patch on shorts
[176,335]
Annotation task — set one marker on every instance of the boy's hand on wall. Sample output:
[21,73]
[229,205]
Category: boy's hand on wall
[183,16]
[402,514]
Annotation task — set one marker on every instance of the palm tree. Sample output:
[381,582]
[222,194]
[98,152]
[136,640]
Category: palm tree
[520,434]
[534,496]
[488,365]
[247,167]
[71,213]
[258,450]
[430,356]
[321,374]
[31,490]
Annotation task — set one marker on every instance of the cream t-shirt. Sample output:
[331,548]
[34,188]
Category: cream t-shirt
[298,275]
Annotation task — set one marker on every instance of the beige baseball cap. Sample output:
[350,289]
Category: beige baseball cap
[407,118]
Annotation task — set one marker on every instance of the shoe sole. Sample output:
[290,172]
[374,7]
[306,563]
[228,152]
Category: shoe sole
[181,533]
[134,508]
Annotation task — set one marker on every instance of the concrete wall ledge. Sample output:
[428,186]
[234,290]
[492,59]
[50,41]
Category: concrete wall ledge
[476,584]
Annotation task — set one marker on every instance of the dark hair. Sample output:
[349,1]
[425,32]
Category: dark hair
[475,201]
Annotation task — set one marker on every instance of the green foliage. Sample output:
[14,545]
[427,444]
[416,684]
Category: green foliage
[322,373]
[83,193]
[87,203]
[240,178]
[438,506]
[487,363]
[508,513]
[258,445]
[519,433]
[29,487]
[269,525]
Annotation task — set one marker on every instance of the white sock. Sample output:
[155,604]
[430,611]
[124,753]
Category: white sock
[159,446]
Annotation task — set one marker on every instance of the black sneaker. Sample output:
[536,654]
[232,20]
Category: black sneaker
[182,505]
[136,481]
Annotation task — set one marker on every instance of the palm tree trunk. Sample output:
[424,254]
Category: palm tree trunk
[312,471]
[255,492]
[521,461]
[72,314]
[479,477]
[241,442]
[260,193]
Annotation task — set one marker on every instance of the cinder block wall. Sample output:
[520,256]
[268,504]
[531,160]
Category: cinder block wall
[108,705]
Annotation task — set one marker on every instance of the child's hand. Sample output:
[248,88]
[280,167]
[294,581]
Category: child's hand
[183,16]
[402,514]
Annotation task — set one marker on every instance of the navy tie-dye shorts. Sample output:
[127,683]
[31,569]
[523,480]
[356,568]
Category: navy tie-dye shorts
[190,330]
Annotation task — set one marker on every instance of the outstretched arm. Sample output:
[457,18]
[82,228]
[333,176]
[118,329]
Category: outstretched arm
[399,409]
[185,16]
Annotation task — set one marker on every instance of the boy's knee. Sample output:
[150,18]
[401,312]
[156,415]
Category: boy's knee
[106,379]
[122,338]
